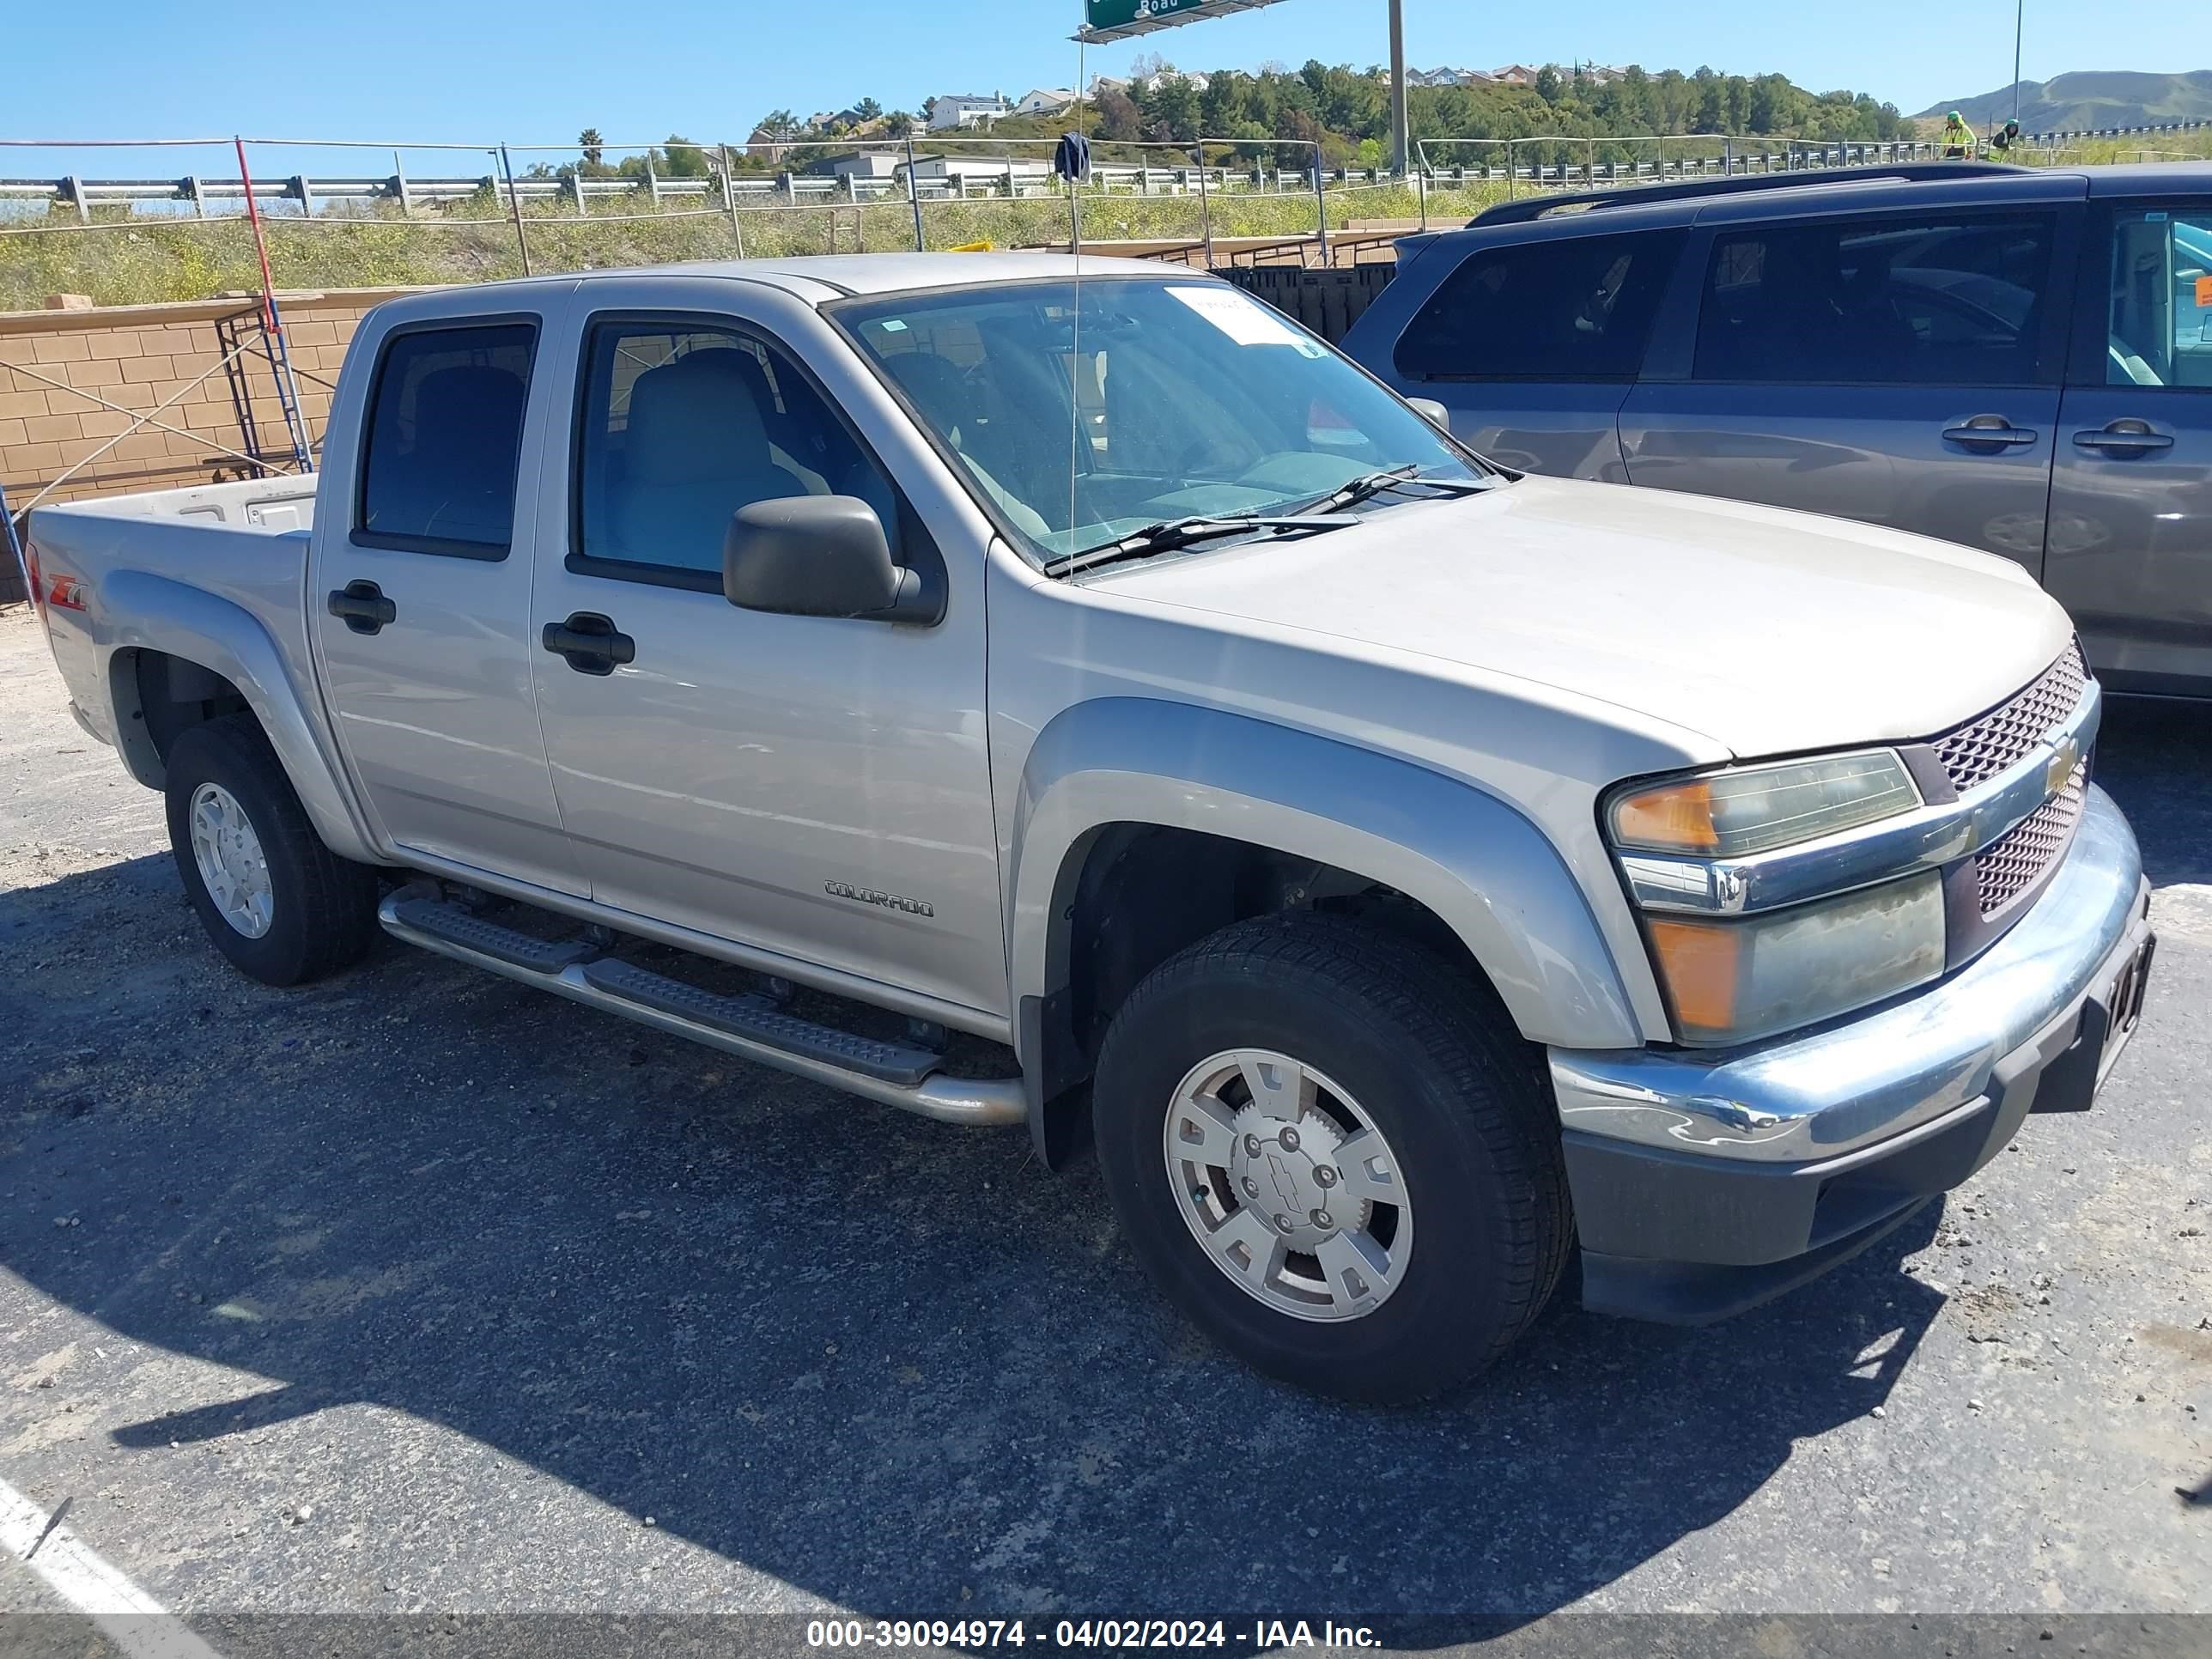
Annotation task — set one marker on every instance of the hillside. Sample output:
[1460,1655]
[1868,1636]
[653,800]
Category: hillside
[2086,100]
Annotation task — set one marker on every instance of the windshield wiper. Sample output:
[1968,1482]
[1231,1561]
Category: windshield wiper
[1369,485]
[1172,533]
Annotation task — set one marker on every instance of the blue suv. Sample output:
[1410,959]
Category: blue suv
[2016,360]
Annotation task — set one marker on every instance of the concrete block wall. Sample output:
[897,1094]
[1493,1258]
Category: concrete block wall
[61,372]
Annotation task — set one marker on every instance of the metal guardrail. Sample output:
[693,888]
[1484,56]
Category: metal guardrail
[220,198]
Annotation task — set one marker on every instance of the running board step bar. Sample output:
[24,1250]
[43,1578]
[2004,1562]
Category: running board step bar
[750,1027]
[759,1019]
[471,932]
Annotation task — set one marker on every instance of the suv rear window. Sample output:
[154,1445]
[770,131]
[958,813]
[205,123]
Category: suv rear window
[1567,308]
[1892,302]
[445,435]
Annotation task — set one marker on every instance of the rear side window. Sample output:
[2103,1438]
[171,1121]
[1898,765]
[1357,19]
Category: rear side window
[2161,320]
[444,437]
[1568,308]
[1887,302]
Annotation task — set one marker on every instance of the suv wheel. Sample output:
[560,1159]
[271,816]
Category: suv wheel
[1332,1156]
[274,900]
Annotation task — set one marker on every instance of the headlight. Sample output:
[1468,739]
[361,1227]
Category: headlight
[1753,977]
[1754,809]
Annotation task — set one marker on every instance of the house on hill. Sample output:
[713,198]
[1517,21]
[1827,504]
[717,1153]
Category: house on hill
[966,109]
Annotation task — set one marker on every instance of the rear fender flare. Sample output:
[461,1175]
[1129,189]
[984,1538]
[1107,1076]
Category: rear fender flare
[141,611]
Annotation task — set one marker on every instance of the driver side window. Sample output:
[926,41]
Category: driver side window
[681,425]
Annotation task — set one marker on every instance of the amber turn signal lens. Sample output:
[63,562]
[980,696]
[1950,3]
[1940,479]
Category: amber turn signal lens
[1679,817]
[1700,963]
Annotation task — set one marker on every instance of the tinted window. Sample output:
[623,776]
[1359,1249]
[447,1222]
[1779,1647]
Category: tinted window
[682,425]
[2160,330]
[444,434]
[1572,308]
[1911,302]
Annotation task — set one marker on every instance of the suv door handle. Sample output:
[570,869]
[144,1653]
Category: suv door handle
[2123,438]
[589,643]
[362,606]
[1991,429]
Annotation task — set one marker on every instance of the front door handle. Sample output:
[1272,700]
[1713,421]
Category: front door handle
[1992,431]
[362,607]
[2123,438]
[590,642]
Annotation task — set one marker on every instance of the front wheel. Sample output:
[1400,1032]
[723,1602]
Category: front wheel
[1332,1156]
[274,899]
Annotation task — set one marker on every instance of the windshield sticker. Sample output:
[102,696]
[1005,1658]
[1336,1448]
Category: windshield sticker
[2204,291]
[1245,321]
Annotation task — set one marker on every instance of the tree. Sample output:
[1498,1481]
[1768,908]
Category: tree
[680,158]
[594,147]
[1547,84]
[867,109]
[928,109]
[898,124]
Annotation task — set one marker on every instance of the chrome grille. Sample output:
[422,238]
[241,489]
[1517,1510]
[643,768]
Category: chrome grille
[2015,860]
[1974,753]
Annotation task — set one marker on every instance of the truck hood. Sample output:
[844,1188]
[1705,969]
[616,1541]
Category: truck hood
[1767,631]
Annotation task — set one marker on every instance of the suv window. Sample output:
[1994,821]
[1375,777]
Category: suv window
[1897,301]
[2161,298]
[683,424]
[1567,308]
[445,436]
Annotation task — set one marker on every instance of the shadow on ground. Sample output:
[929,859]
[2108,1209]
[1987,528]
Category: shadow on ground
[885,1361]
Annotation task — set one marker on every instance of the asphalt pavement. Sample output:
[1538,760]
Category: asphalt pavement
[418,1292]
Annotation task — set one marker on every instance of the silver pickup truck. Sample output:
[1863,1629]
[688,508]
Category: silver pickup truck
[1027,692]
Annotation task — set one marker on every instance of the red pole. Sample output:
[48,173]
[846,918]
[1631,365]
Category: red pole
[260,247]
[280,354]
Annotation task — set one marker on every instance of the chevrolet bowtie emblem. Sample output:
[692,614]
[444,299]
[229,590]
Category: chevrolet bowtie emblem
[2063,763]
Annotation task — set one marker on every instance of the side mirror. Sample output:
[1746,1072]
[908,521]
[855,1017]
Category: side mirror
[815,555]
[1431,411]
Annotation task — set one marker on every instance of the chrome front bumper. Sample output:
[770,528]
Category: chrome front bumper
[1816,1097]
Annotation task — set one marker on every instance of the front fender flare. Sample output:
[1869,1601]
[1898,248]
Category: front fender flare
[1475,861]
[141,611]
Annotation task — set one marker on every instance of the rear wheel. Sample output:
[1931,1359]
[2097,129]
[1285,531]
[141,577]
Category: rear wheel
[274,900]
[1332,1156]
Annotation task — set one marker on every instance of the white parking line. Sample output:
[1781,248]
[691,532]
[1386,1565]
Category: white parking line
[125,1614]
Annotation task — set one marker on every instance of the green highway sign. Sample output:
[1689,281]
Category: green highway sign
[1119,20]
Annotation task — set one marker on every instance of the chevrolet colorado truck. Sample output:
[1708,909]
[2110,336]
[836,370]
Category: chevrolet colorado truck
[1032,691]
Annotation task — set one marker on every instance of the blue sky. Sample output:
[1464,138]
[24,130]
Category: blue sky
[405,69]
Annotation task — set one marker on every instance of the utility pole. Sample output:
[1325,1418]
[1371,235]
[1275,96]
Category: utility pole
[1401,143]
[2019,28]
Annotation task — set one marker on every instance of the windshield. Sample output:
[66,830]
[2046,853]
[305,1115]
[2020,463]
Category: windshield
[1163,400]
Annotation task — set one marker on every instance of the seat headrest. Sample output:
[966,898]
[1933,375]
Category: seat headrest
[696,420]
[467,416]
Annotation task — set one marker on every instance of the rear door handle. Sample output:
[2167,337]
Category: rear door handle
[1993,430]
[589,643]
[2123,438]
[363,608]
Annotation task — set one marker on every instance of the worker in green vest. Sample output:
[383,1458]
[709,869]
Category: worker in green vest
[2002,140]
[1958,137]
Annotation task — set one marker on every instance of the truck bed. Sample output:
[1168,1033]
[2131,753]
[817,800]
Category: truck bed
[245,542]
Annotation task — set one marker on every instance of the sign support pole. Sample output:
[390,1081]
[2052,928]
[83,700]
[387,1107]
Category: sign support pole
[1401,149]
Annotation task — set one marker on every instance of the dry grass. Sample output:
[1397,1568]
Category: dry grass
[144,259]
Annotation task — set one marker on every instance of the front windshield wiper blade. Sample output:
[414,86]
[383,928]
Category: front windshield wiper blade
[1369,485]
[1172,533]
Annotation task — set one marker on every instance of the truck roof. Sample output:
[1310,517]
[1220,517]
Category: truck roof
[818,278]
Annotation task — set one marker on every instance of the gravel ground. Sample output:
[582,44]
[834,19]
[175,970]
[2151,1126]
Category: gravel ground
[417,1291]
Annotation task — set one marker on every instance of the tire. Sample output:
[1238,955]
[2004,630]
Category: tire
[319,913]
[1392,1038]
